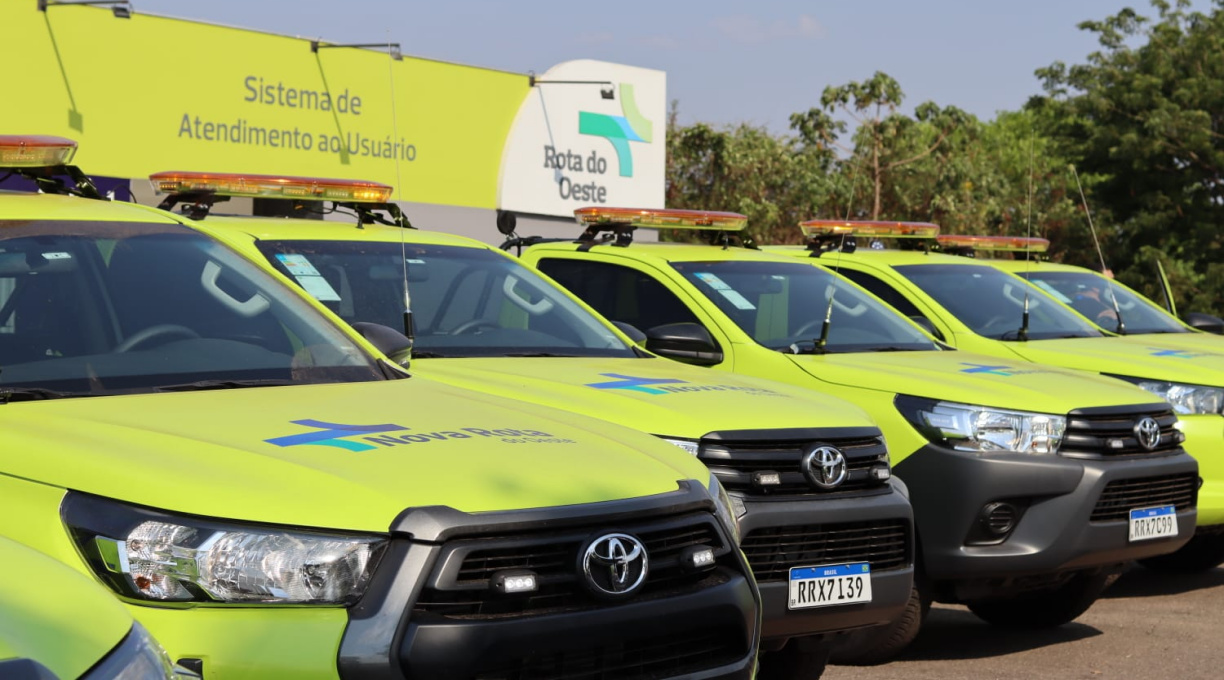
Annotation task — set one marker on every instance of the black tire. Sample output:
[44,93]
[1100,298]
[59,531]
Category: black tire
[1203,552]
[1044,609]
[881,644]
[802,658]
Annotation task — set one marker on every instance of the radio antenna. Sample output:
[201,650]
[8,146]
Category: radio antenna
[1022,335]
[399,183]
[841,247]
[1121,329]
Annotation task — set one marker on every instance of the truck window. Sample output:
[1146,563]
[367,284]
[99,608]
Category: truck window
[619,293]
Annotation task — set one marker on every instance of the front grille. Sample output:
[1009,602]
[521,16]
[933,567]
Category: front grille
[735,462]
[1100,432]
[1123,495]
[773,551]
[460,586]
[645,658]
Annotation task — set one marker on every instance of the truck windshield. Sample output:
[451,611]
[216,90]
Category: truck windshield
[781,304]
[991,302]
[466,302]
[1093,296]
[91,308]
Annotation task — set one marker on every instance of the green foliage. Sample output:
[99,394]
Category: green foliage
[1142,121]
[1145,116]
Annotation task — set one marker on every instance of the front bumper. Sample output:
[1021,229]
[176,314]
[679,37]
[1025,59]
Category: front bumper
[421,618]
[1057,494]
[780,534]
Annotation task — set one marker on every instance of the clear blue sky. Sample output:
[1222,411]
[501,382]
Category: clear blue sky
[727,62]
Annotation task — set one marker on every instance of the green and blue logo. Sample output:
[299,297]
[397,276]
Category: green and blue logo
[985,368]
[619,130]
[628,382]
[1175,353]
[332,434]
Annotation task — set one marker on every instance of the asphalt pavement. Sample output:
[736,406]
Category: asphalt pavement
[1147,625]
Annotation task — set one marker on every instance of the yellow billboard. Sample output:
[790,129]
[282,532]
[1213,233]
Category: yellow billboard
[149,93]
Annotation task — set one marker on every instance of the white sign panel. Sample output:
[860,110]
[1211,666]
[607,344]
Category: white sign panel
[572,146]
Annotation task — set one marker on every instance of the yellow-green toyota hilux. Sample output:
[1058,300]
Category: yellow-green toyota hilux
[57,624]
[1022,506]
[273,498]
[1093,295]
[978,308]
[808,474]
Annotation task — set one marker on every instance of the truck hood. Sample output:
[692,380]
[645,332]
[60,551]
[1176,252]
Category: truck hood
[1155,357]
[68,627]
[299,455]
[661,397]
[973,379]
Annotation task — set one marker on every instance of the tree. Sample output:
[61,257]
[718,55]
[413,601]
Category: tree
[872,104]
[1144,118]
[773,179]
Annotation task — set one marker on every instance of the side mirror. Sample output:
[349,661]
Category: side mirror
[1205,322]
[635,334]
[394,344]
[687,342]
[927,325]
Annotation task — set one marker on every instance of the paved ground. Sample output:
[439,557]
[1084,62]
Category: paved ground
[1148,625]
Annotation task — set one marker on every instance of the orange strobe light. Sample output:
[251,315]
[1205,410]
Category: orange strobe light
[272,186]
[661,218]
[869,229]
[996,243]
[35,151]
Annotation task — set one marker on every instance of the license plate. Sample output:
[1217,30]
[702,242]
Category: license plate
[1149,523]
[830,585]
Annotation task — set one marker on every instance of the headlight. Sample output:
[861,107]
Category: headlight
[1185,399]
[149,555]
[724,509]
[979,428]
[138,657]
[689,446]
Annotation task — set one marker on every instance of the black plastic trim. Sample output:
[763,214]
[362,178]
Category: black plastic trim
[794,434]
[438,523]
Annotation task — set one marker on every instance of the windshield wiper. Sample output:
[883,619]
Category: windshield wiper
[37,393]
[222,385]
[805,347]
[891,348]
[537,354]
[426,355]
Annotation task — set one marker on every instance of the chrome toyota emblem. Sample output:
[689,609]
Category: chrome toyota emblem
[825,466]
[1147,431]
[614,565]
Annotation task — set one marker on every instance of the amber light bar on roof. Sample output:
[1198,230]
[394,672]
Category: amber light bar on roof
[998,243]
[35,151]
[662,218]
[272,186]
[817,228]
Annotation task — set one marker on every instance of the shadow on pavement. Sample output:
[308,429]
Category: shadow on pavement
[955,633]
[1141,582]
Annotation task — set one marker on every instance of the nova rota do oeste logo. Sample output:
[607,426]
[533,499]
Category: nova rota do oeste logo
[630,126]
[370,437]
[1001,369]
[632,383]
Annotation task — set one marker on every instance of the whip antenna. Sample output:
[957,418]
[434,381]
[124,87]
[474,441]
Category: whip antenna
[1121,329]
[1022,335]
[399,183]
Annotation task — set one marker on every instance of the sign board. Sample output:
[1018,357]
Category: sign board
[570,147]
[150,94]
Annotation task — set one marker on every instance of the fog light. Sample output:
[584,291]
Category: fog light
[510,582]
[998,519]
[767,478]
[697,558]
[881,473]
